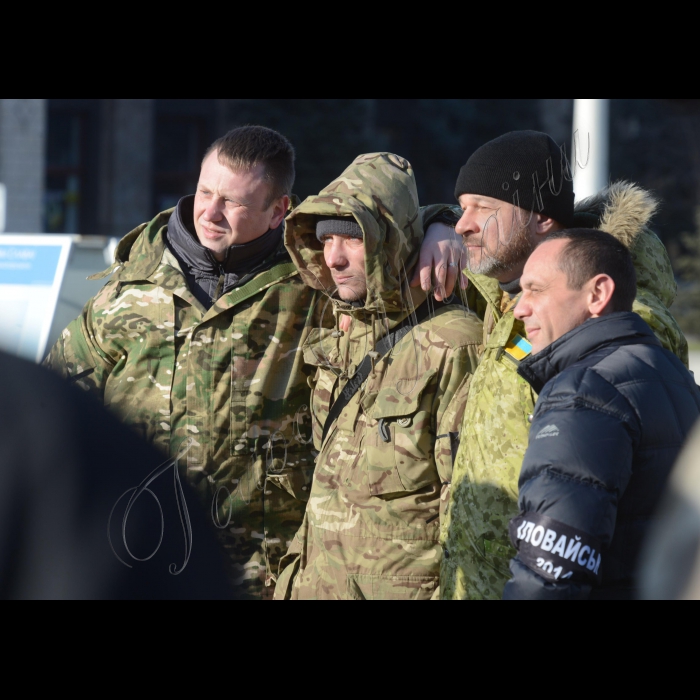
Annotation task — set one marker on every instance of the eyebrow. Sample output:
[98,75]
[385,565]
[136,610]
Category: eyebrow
[530,281]
[238,200]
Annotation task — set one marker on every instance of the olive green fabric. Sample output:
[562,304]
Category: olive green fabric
[496,426]
[382,476]
[231,378]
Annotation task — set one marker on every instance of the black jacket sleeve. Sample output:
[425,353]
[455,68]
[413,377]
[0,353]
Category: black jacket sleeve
[577,466]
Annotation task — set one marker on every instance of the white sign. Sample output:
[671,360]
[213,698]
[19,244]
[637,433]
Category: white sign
[31,272]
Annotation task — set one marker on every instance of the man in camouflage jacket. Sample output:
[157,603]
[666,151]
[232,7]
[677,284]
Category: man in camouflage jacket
[223,371]
[373,518]
[497,417]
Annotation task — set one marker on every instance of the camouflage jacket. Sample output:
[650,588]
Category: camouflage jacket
[500,405]
[232,378]
[372,523]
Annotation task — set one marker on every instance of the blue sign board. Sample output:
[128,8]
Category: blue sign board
[31,274]
[23,264]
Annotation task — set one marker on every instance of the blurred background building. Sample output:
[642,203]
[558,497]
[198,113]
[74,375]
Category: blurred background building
[99,168]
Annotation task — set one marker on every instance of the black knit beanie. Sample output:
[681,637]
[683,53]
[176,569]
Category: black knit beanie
[513,168]
[339,226]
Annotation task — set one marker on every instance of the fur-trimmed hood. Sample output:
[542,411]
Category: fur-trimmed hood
[624,210]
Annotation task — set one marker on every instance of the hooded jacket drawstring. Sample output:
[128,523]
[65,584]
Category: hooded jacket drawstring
[373,354]
[346,359]
[338,334]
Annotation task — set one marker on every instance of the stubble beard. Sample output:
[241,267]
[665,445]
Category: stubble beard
[508,255]
[352,291]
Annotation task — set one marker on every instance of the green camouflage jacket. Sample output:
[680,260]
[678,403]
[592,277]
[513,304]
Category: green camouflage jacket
[496,419]
[372,523]
[232,378]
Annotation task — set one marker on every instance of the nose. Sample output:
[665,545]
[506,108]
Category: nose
[467,223]
[213,211]
[334,253]
[522,309]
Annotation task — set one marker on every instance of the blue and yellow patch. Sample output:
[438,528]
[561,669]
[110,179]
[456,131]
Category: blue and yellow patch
[518,348]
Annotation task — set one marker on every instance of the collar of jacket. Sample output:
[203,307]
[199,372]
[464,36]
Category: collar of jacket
[616,329]
[489,289]
[140,252]
[390,317]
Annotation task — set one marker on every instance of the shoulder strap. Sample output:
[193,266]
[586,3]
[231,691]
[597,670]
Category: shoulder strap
[383,347]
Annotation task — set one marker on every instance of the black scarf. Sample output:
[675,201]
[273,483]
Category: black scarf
[512,288]
[203,271]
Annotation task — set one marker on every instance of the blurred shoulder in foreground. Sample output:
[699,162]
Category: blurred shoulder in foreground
[671,560]
[68,468]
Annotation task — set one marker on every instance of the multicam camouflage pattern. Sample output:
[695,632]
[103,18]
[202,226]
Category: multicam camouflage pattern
[496,426]
[371,527]
[231,377]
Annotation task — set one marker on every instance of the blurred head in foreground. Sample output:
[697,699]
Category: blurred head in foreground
[67,469]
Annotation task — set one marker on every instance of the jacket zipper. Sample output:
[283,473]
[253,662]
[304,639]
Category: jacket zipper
[220,285]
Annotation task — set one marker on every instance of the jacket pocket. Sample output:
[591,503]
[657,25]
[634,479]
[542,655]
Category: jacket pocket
[400,440]
[371,587]
[288,570]
[291,564]
[296,481]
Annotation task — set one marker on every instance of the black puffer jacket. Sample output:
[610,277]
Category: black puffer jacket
[614,409]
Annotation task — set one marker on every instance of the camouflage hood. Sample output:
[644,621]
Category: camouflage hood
[379,191]
[624,210]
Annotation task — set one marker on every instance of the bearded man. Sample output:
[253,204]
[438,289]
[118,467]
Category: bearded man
[513,193]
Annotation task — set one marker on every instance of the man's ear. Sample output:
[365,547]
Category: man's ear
[544,225]
[600,291]
[279,211]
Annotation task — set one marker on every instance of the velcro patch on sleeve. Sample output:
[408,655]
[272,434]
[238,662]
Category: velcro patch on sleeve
[555,551]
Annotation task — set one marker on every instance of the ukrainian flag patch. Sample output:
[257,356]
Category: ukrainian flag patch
[518,348]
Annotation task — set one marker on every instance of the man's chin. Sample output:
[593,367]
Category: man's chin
[348,294]
[350,297]
[218,248]
[535,344]
[481,264]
